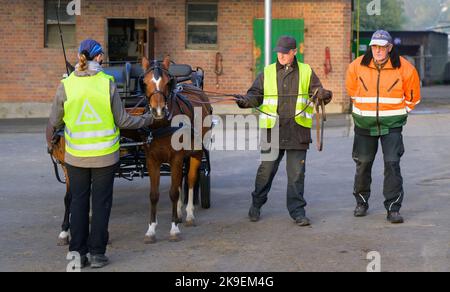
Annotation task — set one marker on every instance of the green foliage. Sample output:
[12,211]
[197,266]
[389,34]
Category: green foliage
[423,14]
[391,17]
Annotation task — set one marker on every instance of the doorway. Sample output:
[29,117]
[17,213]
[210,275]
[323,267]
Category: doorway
[130,39]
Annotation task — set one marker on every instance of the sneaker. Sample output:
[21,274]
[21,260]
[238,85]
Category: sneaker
[394,217]
[99,261]
[361,210]
[302,221]
[254,213]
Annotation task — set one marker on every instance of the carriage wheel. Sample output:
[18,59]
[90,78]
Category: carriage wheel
[205,186]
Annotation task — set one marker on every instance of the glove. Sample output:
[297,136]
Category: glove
[241,101]
[325,95]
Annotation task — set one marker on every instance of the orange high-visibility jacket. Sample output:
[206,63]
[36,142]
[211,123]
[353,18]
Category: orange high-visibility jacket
[382,98]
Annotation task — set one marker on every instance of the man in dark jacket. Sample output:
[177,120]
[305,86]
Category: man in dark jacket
[282,92]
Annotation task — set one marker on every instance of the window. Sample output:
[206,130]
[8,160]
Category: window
[67,22]
[201,24]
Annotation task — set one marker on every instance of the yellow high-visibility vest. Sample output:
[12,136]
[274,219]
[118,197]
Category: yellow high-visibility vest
[90,128]
[270,103]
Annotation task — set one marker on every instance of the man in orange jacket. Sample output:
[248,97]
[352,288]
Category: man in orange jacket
[384,87]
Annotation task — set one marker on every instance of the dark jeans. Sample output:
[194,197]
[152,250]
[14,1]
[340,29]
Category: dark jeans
[364,151]
[295,167]
[85,182]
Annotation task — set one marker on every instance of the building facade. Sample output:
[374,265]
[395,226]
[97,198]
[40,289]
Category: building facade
[220,36]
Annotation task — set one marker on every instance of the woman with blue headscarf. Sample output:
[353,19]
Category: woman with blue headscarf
[88,106]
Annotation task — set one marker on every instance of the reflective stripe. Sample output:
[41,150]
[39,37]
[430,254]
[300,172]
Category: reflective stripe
[91,134]
[302,101]
[304,114]
[270,101]
[363,198]
[385,100]
[412,103]
[93,147]
[408,109]
[398,199]
[381,113]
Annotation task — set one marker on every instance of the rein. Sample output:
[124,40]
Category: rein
[219,97]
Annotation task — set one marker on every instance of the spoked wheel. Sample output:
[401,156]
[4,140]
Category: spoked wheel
[205,181]
[205,189]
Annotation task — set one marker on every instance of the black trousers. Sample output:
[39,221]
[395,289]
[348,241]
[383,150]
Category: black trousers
[364,150]
[295,167]
[86,183]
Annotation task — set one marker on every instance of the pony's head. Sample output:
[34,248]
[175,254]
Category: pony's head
[157,86]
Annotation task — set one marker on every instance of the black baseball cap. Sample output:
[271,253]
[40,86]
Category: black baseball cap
[285,44]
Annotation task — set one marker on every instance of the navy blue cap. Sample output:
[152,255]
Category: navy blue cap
[91,47]
[285,44]
[381,38]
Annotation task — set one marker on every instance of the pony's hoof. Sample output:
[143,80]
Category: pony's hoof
[175,238]
[63,241]
[150,239]
[190,223]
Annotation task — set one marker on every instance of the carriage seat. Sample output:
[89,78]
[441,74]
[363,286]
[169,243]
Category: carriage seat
[184,72]
[126,77]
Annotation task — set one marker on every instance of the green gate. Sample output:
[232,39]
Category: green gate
[292,27]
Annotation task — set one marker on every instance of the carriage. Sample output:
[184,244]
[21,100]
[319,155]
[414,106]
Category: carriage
[132,156]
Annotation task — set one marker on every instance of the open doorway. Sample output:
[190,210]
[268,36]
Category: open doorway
[130,39]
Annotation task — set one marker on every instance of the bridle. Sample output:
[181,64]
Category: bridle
[156,68]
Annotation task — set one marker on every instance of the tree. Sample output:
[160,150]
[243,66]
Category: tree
[422,14]
[381,14]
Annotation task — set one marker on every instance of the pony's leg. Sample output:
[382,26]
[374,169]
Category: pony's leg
[176,167]
[63,238]
[192,179]
[154,173]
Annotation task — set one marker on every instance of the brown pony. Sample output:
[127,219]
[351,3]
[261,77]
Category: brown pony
[166,106]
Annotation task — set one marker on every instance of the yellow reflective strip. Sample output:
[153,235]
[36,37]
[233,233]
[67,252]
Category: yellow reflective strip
[91,134]
[93,147]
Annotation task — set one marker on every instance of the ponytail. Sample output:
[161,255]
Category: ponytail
[83,62]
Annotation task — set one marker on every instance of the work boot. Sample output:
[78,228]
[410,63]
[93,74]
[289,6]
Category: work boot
[254,213]
[361,210]
[99,261]
[394,217]
[302,221]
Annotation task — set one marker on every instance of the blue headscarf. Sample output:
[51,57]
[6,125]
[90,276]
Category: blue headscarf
[90,48]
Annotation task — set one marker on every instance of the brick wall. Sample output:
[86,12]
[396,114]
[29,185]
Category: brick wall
[30,73]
